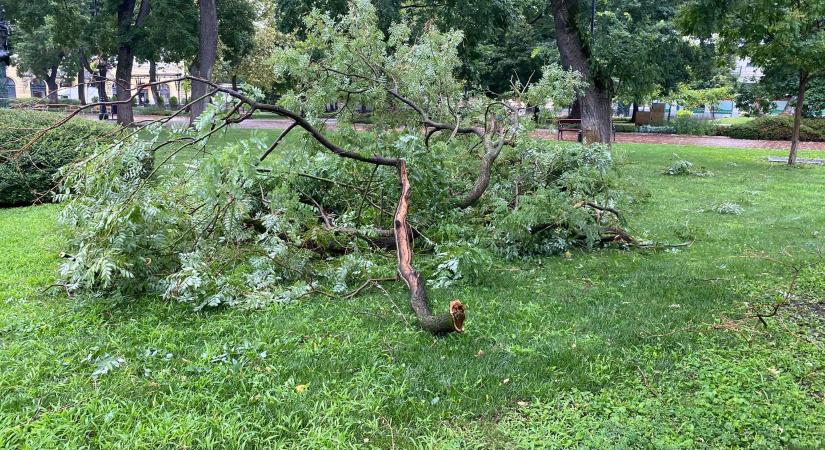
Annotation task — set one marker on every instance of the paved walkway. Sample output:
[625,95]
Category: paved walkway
[630,138]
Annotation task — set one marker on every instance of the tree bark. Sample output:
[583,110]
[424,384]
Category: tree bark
[153,78]
[101,85]
[804,77]
[453,319]
[575,110]
[597,114]
[81,85]
[123,79]
[125,56]
[51,83]
[635,111]
[207,53]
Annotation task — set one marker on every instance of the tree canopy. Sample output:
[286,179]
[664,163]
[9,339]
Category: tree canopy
[771,33]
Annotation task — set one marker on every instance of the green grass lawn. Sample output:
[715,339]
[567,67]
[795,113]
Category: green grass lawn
[604,349]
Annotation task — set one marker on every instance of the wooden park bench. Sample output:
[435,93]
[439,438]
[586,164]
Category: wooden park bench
[567,125]
[563,125]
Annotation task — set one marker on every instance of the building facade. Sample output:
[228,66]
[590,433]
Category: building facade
[23,85]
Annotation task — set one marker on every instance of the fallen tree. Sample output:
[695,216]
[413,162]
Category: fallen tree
[249,222]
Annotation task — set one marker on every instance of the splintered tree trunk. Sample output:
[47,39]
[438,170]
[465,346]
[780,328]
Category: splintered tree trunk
[596,112]
[153,78]
[797,117]
[207,53]
[450,321]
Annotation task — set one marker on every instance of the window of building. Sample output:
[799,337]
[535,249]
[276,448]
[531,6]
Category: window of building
[11,89]
[38,88]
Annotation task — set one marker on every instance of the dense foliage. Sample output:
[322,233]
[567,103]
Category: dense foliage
[27,176]
[779,128]
[246,222]
[780,83]
[238,231]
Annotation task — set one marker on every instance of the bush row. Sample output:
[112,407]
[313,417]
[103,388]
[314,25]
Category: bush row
[26,176]
[778,128]
[775,128]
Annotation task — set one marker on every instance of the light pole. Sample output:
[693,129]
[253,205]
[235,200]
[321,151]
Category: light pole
[5,57]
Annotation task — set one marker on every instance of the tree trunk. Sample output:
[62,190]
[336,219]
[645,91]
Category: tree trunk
[81,85]
[123,79]
[51,83]
[635,111]
[797,117]
[597,114]
[575,110]
[235,83]
[207,53]
[99,78]
[153,78]
[102,73]
[125,56]
[453,319]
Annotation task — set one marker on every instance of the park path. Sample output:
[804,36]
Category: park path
[622,138]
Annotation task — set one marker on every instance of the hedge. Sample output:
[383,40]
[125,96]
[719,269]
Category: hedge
[624,127]
[776,128]
[25,178]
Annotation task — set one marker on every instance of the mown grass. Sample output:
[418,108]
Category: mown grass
[602,349]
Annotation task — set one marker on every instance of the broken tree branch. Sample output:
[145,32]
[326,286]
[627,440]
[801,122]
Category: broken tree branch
[453,319]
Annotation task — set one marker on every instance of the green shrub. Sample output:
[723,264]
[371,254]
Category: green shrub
[32,101]
[625,127]
[28,178]
[684,113]
[173,101]
[153,111]
[688,125]
[779,128]
[657,129]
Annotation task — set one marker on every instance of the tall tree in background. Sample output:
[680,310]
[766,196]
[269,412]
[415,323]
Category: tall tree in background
[129,22]
[170,35]
[236,31]
[780,82]
[575,54]
[207,54]
[46,39]
[39,54]
[772,33]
